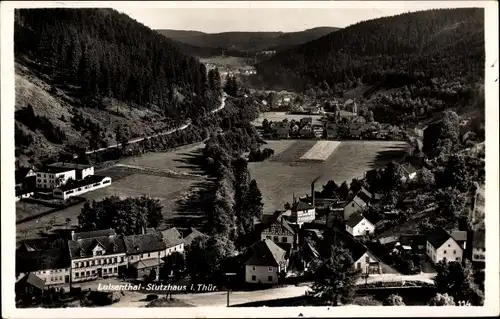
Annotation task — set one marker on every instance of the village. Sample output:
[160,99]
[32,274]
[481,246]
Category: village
[280,251]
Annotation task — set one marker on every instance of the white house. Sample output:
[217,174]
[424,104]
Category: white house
[96,254]
[410,172]
[53,177]
[268,260]
[478,246]
[441,245]
[81,170]
[358,225]
[173,241]
[302,212]
[358,203]
[78,187]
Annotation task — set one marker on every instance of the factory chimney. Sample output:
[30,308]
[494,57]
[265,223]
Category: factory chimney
[313,192]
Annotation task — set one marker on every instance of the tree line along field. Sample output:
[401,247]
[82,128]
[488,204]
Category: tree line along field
[286,173]
[128,183]
[283,175]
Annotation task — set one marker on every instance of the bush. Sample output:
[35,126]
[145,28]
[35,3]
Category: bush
[442,300]
[394,300]
[151,297]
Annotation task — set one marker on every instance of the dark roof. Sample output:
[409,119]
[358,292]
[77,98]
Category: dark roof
[33,280]
[144,243]
[91,179]
[287,247]
[171,237]
[93,234]
[300,205]
[365,195]
[65,165]
[192,236]
[281,221]
[340,204]
[459,235]
[478,238]
[354,219]
[356,248]
[410,239]
[82,248]
[266,253]
[21,174]
[36,260]
[48,169]
[438,237]
[409,168]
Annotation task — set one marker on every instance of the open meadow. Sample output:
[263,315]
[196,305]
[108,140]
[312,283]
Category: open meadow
[288,173]
[169,183]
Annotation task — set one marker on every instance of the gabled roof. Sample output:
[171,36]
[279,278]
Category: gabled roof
[354,219]
[410,169]
[459,235]
[279,220]
[144,243]
[266,253]
[355,247]
[21,173]
[82,248]
[192,236]
[33,280]
[171,237]
[300,205]
[93,234]
[478,239]
[438,237]
[365,195]
[36,260]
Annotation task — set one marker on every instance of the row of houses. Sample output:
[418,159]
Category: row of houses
[99,254]
[63,180]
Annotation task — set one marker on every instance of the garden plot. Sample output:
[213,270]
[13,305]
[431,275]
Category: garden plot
[321,151]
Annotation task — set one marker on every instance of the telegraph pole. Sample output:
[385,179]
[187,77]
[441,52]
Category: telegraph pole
[228,274]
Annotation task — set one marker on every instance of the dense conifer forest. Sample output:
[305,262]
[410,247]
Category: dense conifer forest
[402,49]
[109,54]
[103,69]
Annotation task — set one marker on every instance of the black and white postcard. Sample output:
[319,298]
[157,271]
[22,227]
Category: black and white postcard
[316,158]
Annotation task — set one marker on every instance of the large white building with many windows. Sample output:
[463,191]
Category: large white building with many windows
[96,254]
[441,246]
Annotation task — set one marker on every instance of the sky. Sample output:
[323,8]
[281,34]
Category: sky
[215,20]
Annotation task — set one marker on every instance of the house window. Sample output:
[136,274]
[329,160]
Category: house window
[149,254]
[77,274]
[269,278]
[449,245]
[253,268]
[445,252]
[88,273]
[284,239]
[104,270]
[275,238]
[458,258]
[270,269]
[359,265]
[254,278]
[123,259]
[454,252]
[367,259]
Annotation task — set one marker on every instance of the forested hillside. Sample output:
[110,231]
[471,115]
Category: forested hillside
[438,54]
[247,41]
[89,77]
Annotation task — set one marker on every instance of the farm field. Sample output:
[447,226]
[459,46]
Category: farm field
[171,191]
[285,174]
[26,209]
[174,160]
